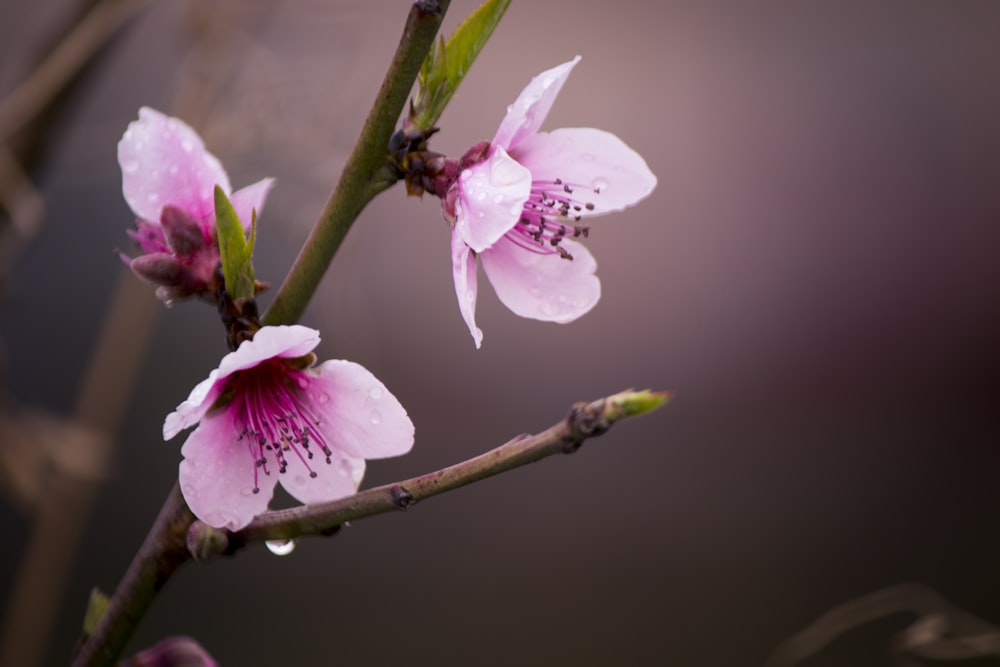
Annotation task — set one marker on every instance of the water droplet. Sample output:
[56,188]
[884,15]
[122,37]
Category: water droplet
[600,184]
[510,107]
[323,397]
[497,198]
[186,145]
[299,480]
[246,493]
[376,392]
[466,175]
[153,197]
[280,547]
[303,383]
[470,296]
[375,417]
[535,291]
[548,309]
[130,166]
[515,209]
[480,196]
[173,169]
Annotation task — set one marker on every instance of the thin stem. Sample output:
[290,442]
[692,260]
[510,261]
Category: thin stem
[365,175]
[585,420]
[162,552]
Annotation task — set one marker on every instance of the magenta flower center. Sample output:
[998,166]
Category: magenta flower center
[274,416]
[549,215]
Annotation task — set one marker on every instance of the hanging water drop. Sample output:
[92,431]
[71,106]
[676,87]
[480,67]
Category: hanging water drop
[280,547]
[375,417]
[375,392]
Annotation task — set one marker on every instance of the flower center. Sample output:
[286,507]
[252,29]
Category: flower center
[549,215]
[273,417]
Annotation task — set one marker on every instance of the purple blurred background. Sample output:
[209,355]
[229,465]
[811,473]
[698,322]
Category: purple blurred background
[816,276]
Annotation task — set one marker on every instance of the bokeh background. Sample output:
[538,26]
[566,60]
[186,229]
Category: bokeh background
[816,276]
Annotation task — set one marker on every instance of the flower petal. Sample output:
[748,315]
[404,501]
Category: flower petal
[286,342]
[337,479]
[491,197]
[463,267]
[251,198]
[191,411]
[358,415]
[527,113]
[604,170]
[217,474]
[164,161]
[543,286]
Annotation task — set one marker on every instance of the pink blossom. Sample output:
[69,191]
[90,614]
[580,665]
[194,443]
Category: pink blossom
[520,202]
[267,415]
[168,179]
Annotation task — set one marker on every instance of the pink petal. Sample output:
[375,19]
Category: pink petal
[527,113]
[463,267]
[589,160]
[337,479]
[491,197]
[543,286]
[285,342]
[164,161]
[359,417]
[217,474]
[191,411]
[251,198]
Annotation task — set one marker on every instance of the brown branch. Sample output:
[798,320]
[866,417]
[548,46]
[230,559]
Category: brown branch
[585,420]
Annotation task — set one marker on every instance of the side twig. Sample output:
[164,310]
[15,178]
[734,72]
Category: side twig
[585,420]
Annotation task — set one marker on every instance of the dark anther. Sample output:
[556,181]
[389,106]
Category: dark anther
[589,206]
[558,181]
[312,474]
[401,498]
[568,190]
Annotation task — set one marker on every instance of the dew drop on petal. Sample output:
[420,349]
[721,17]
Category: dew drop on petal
[280,547]
[246,493]
[303,383]
[153,197]
[375,392]
[548,309]
[480,196]
[466,175]
[186,145]
[130,166]
[323,397]
[470,295]
[535,291]
[375,417]
[497,198]
[600,184]
[299,480]
[173,169]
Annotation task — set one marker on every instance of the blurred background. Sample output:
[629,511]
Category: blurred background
[816,276]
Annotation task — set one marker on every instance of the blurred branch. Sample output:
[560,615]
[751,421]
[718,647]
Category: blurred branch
[57,70]
[942,631]
[365,175]
[67,489]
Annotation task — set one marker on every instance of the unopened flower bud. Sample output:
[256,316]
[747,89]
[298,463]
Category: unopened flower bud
[183,233]
[172,652]
[159,268]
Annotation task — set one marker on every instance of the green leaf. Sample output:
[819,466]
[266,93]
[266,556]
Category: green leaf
[234,247]
[96,606]
[447,64]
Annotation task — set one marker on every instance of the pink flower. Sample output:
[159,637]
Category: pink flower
[168,179]
[520,203]
[266,415]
